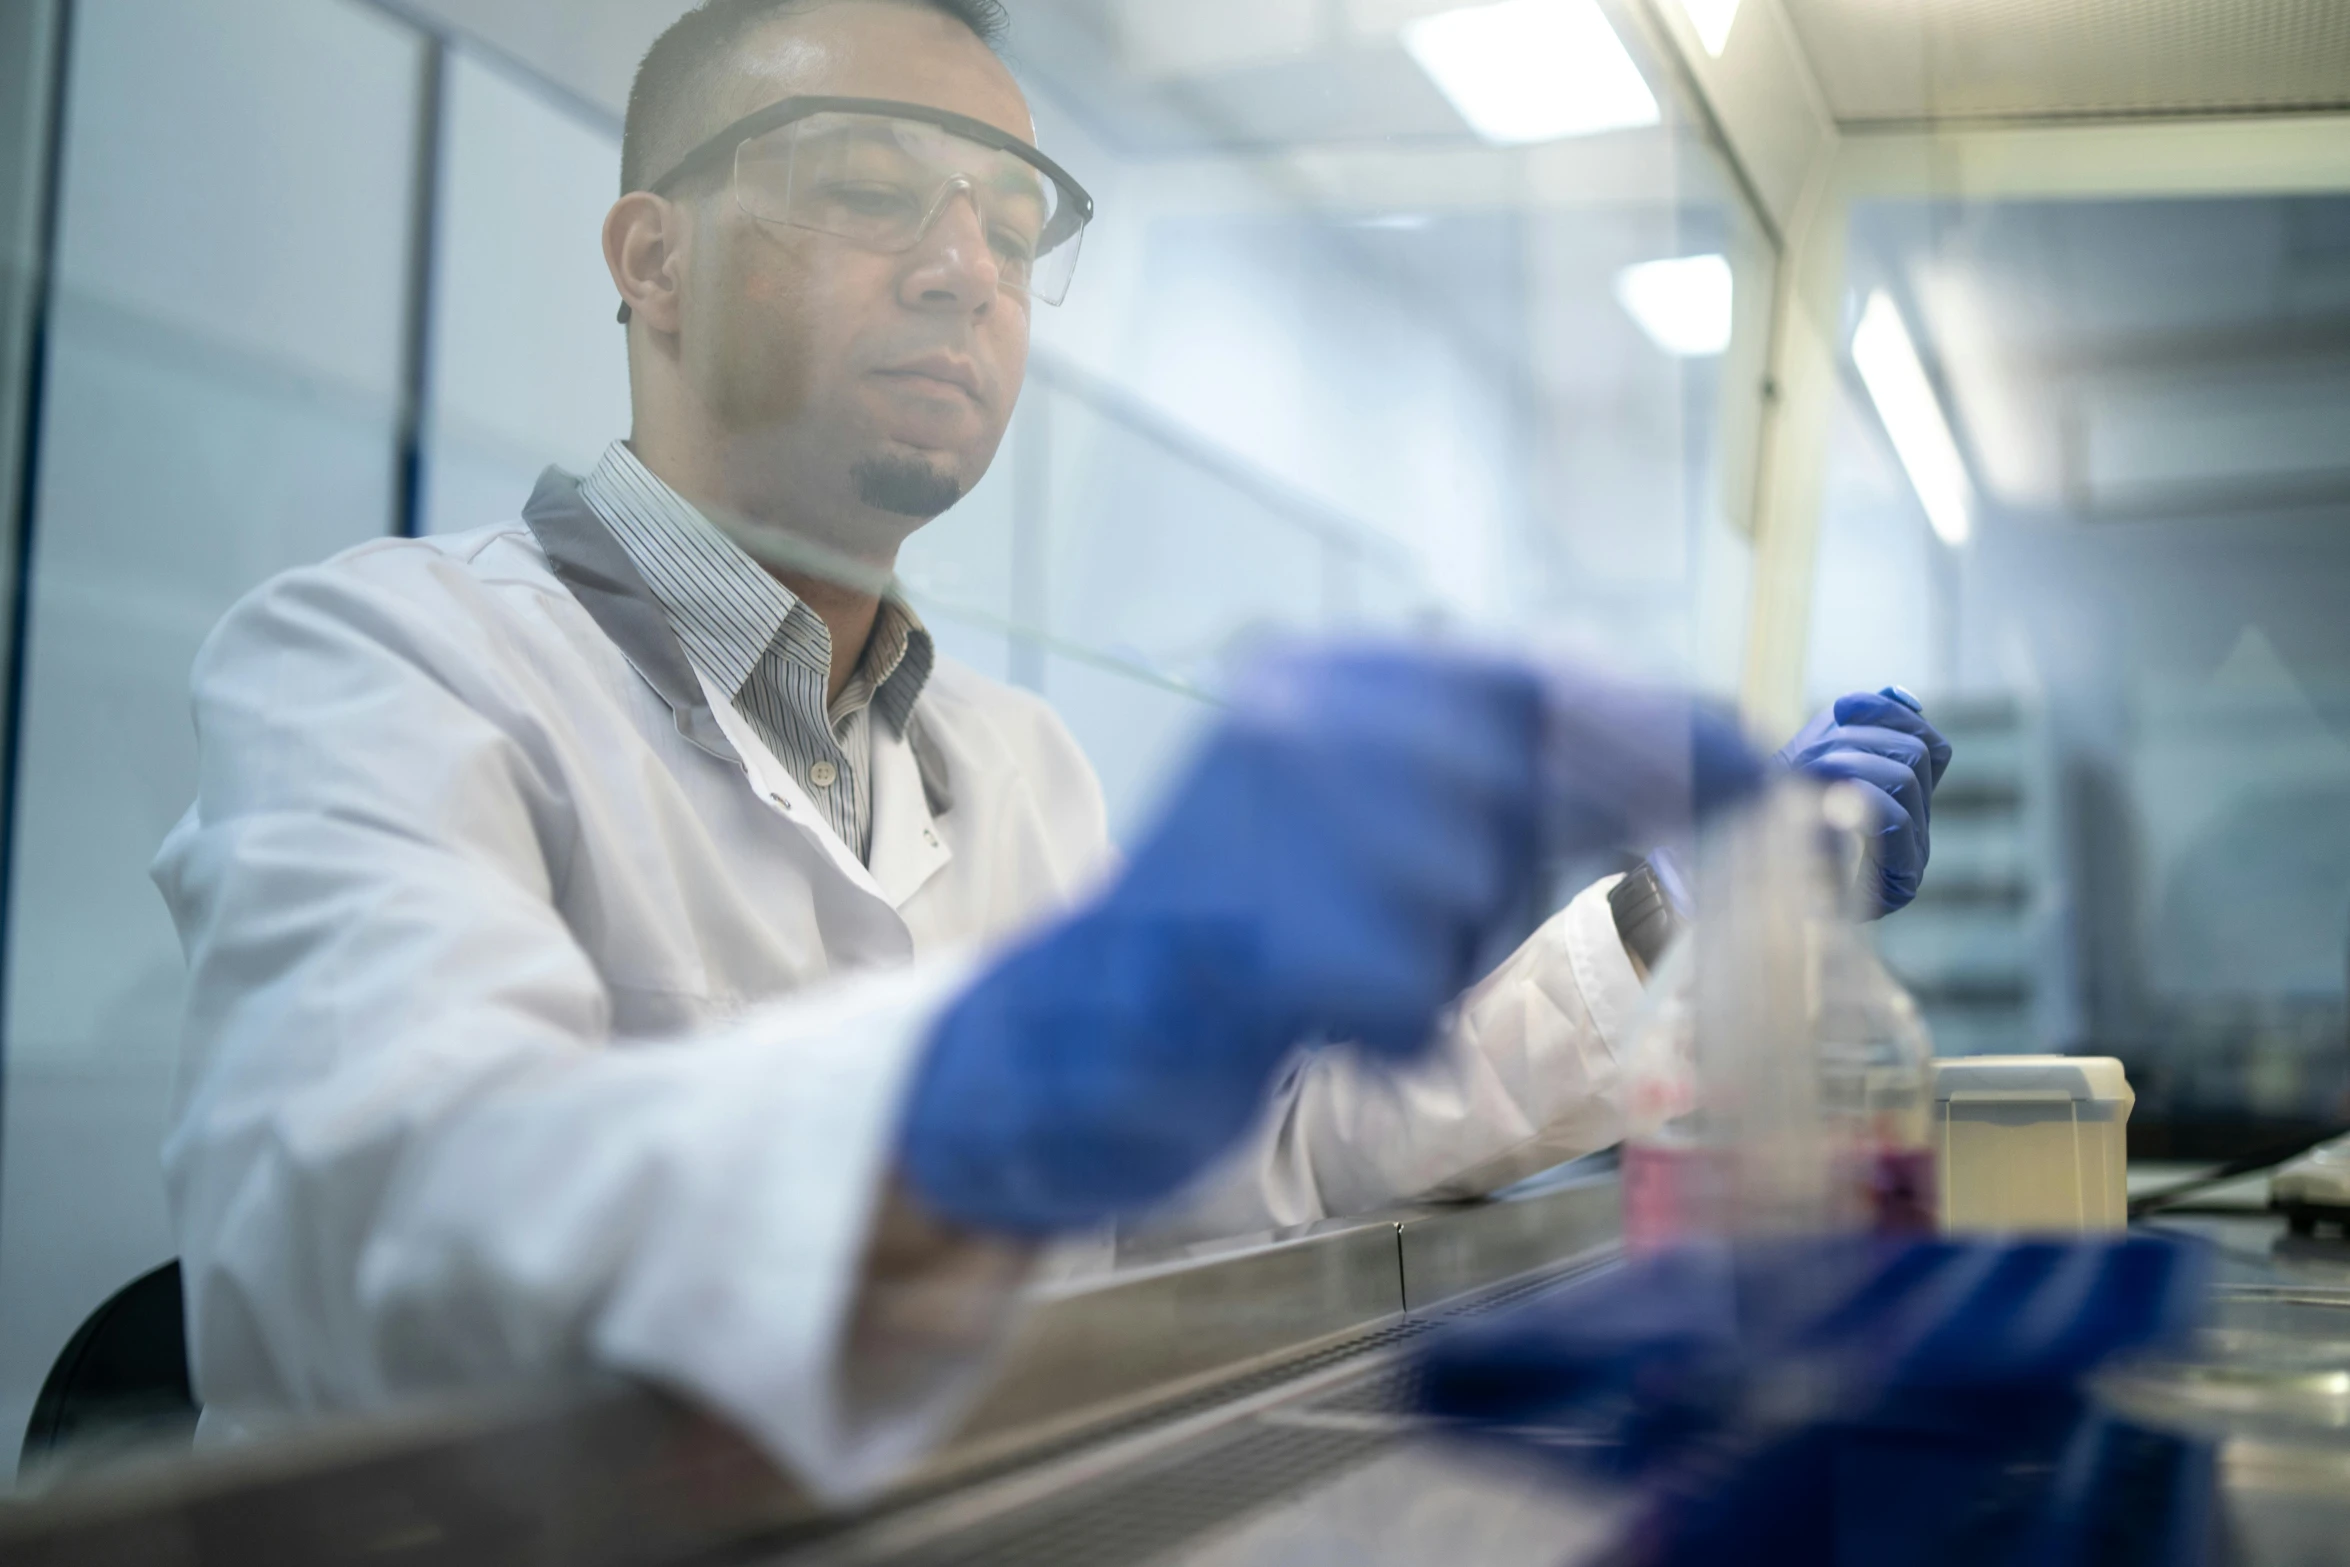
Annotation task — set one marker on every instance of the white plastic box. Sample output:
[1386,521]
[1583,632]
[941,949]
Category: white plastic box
[2032,1143]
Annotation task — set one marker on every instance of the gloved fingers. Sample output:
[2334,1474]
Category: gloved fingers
[1907,749]
[1725,768]
[1890,775]
[1899,845]
[1625,764]
[1658,1317]
[1403,827]
[2037,1311]
[1900,775]
[1902,746]
[1458,734]
[1619,760]
[1875,1282]
[1089,1072]
[1373,910]
[1876,710]
[1373,857]
[1933,1381]
[1420,698]
[1474,771]
[1345,805]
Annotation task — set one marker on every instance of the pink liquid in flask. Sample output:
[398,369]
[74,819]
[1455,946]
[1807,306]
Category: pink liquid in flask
[1674,1194]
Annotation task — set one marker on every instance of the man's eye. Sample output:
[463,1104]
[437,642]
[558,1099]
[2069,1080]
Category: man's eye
[870,200]
[1016,249]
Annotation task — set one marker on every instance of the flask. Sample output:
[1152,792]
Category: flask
[1779,1079]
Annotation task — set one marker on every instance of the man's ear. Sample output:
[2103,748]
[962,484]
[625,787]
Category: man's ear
[644,246]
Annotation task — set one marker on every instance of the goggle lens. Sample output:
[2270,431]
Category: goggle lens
[881,183]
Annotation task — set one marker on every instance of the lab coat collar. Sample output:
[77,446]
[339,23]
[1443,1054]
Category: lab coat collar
[587,559]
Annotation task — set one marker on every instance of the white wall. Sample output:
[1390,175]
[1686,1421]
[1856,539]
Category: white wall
[221,403]
[528,366]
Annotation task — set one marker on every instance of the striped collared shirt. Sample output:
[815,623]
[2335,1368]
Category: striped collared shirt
[753,637]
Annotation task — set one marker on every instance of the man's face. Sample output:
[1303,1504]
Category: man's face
[876,386]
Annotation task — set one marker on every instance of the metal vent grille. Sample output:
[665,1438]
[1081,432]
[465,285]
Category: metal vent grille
[1146,1509]
[1916,60]
[1141,1515]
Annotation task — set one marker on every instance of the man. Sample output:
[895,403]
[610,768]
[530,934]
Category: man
[579,910]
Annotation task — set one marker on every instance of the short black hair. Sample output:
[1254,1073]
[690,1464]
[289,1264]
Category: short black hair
[682,66]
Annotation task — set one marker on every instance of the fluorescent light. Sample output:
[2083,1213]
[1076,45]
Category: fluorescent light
[1712,19]
[1683,304]
[1889,367]
[1532,70]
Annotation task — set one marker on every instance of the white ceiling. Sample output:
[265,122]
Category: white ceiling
[1914,60]
[1876,60]
[2128,360]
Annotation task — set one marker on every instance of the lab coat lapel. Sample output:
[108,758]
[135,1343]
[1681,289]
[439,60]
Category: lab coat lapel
[908,788]
[908,848]
[588,560]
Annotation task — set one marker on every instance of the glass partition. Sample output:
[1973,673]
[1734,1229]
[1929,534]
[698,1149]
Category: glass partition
[1353,350]
[1340,362]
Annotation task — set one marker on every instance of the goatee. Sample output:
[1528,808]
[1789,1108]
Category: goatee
[906,486]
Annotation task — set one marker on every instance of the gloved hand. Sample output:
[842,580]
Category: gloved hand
[1844,1401]
[1344,846]
[1881,741]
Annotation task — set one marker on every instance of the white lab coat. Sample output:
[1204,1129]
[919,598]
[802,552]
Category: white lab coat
[538,1021]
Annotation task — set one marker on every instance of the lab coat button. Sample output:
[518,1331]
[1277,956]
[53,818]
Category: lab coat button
[822,774]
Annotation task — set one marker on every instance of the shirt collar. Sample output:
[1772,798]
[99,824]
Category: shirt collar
[727,610]
[897,660]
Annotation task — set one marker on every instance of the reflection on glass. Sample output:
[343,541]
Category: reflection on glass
[1524,71]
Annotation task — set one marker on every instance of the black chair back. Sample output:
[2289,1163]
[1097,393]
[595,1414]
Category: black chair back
[122,1379]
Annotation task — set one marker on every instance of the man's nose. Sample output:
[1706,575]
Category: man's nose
[952,266]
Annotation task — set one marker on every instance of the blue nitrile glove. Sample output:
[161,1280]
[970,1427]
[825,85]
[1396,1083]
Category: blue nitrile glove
[1851,1401]
[1352,834]
[1880,740]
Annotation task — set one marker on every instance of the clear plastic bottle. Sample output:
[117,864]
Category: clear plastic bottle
[1779,1078]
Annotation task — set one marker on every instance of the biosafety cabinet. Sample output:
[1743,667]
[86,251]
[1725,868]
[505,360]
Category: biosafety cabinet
[1780,347]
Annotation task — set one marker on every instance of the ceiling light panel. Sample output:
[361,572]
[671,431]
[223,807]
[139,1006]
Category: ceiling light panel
[1889,367]
[1684,304]
[1378,21]
[1525,71]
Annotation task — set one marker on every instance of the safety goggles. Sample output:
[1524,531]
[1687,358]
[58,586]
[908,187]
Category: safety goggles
[878,173]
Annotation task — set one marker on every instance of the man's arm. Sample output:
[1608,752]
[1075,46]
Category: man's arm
[409,1152]
[1524,1077]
